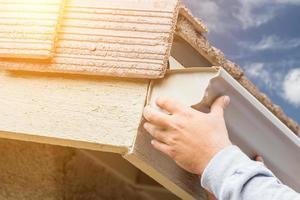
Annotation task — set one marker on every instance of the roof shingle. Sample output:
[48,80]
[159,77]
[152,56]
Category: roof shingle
[28,28]
[130,38]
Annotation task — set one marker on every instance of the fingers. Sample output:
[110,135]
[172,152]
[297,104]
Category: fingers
[219,105]
[156,132]
[161,147]
[259,159]
[211,196]
[160,139]
[155,117]
[169,105]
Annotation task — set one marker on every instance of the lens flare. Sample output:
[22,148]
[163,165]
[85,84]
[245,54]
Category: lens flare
[28,28]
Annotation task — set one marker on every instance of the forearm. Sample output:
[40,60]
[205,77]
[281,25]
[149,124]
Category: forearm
[192,139]
[231,175]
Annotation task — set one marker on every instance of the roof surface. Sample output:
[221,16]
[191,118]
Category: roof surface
[129,38]
[28,28]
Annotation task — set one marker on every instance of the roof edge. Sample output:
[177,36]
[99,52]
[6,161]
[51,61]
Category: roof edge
[170,39]
[197,23]
[188,31]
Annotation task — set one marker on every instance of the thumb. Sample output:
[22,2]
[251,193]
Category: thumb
[219,105]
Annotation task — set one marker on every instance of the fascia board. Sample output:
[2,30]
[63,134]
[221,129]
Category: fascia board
[154,163]
[251,125]
[94,113]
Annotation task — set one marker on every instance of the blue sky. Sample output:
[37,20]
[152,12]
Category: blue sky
[263,36]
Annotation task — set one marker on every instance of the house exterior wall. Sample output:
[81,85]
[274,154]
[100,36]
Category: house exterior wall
[31,171]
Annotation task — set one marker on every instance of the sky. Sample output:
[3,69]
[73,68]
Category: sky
[263,37]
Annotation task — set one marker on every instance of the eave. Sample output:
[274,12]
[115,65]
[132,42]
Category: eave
[42,114]
[190,32]
[104,114]
[250,124]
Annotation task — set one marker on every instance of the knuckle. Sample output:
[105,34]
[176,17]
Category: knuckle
[166,121]
[149,116]
[155,133]
[177,124]
[173,153]
[147,112]
[163,101]
[173,126]
[187,113]
[172,140]
[175,103]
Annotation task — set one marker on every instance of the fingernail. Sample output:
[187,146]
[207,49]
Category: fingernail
[226,100]
[259,159]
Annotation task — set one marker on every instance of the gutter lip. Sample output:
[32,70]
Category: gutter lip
[260,107]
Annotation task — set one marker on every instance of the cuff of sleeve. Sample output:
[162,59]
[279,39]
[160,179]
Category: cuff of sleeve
[223,164]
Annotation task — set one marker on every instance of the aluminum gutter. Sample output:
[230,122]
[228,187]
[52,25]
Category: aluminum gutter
[258,132]
[251,125]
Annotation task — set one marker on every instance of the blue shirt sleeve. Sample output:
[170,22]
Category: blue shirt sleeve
[231,175]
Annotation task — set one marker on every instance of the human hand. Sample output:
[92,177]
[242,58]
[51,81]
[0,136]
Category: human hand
[210,196]
[191,138]
[259,159]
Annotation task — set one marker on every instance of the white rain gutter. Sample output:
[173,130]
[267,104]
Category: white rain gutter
[251,125]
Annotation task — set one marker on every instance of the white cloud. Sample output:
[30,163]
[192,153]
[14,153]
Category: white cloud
[247,12]
[286,86]
[222,15]
[209,11]
[272,42]
[291,87]
[264,75]
[291,2]
[259,72]
[254,69]
[254,13]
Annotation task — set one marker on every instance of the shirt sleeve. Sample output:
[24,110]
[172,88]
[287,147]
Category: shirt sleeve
[231,175]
